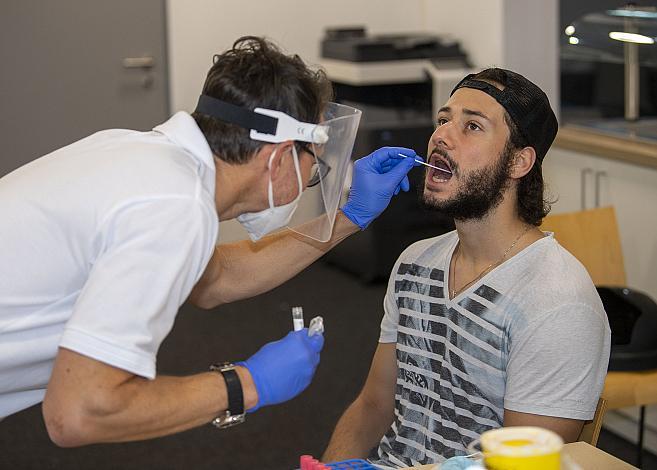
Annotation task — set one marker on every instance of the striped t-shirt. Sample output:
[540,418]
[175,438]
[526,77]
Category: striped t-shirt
[530,336]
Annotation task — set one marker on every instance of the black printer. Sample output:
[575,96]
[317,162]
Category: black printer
[353,44]
[386,77]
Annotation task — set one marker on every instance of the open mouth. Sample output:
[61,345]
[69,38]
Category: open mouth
[443,172]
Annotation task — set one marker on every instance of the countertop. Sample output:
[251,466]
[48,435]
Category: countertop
[614,139]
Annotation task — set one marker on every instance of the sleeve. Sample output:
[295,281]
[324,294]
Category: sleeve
[151,255]
[558,363]
[390,319]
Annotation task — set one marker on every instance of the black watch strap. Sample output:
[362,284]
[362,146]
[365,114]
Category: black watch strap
[234,388]
[235,412]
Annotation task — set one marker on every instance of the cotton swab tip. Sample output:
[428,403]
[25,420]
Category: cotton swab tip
[426,164]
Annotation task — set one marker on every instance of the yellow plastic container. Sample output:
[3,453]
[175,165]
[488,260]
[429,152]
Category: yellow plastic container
[521,448]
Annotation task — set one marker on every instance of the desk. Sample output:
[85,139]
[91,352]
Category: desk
[585,455]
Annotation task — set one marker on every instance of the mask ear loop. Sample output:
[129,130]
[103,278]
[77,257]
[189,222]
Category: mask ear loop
[295,155]
[270,188]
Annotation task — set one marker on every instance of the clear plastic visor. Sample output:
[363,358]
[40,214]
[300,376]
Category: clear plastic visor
[318,206]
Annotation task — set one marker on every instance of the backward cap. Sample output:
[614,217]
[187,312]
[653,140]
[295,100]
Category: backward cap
[527,105]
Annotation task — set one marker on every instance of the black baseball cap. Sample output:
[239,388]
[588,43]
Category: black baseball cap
[527,105]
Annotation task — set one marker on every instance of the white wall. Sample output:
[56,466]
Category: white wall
[477,24]
[531,43]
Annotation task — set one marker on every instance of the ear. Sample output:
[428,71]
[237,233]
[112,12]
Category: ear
[523,162]
[261,158]
[281,159]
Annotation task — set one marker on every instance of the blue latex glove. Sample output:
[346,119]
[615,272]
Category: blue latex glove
[377,178]
[283,369]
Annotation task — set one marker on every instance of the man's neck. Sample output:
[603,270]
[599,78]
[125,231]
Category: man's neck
[487,240]
[236,189]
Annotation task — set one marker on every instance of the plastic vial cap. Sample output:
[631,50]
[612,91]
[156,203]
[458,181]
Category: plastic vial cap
[304,460]
[316,326]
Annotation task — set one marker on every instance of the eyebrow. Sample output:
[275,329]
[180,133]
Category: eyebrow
[470,112]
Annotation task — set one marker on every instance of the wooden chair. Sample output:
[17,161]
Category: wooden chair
[591,430]
[592,236]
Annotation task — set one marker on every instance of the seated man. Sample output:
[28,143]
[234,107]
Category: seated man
[494,324]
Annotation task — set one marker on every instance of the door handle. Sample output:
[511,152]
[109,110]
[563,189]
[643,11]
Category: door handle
[585,172]
[598,176]
[138,62]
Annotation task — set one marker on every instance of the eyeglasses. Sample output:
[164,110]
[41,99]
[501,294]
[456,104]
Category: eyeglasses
[319,169]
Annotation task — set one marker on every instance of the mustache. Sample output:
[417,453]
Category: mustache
[443,153]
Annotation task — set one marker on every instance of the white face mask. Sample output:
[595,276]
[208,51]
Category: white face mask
[258,224]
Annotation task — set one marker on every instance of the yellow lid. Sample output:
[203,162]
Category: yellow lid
[520,441]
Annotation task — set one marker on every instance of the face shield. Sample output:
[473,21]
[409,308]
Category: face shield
[332,161]
[330,143]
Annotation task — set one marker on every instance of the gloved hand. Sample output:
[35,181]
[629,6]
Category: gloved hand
[377,177]
[283,369]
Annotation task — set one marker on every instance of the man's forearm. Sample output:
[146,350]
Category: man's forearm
[111,405]
[360,429]
[243,269]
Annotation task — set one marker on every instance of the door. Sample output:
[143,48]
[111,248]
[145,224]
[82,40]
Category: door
[72,67]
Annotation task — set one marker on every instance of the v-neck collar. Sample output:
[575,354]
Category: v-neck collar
[479,282]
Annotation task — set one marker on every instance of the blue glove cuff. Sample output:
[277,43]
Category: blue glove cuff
[255,382]
[345,210]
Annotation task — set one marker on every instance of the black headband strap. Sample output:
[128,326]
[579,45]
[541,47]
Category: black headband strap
[486,87]
[242,117]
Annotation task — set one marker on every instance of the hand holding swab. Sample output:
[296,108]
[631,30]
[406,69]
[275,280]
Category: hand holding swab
[419,160]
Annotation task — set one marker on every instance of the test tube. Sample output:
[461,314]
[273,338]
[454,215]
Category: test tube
[297,318]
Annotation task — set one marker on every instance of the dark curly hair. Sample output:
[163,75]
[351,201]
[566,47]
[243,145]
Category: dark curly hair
[255,73]
[532,203]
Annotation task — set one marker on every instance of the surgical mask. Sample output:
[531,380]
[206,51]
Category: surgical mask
[259,224]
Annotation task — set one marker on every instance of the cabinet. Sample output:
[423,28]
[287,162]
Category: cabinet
[578,181]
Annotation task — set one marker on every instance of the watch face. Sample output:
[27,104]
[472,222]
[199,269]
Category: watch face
[222,366]
[227,421]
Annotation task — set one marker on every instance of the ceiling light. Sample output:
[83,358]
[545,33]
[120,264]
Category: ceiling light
[633,13]
[631,37]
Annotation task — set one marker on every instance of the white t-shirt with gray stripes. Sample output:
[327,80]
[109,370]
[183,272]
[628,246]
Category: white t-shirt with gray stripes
[530,336]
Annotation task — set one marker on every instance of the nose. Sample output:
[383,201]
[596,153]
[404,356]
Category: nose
[442,137]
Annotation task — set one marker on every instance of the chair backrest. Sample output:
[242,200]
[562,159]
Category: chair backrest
[592,236]
[591,430]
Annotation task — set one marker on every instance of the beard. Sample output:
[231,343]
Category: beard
[480,190]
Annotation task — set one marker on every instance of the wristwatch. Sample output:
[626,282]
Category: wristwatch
[235,413]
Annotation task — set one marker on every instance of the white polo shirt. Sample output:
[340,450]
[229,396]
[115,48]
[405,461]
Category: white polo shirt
[100,243]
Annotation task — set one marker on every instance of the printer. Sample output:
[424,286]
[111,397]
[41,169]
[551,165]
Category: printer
[399,81]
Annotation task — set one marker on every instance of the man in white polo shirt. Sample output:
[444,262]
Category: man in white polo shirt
[103,240]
